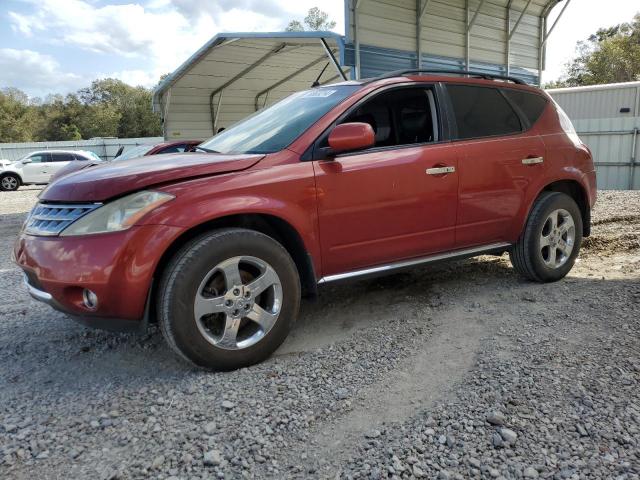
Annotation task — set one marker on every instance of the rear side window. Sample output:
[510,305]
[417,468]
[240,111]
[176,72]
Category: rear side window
[482,112]
[530,104]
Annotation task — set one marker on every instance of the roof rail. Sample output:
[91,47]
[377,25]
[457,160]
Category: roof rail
[486,76]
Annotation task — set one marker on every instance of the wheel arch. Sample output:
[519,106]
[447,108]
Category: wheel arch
[575,190]
[14,174]
[270,225]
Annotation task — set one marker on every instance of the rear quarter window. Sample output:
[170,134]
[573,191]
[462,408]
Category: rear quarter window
[482,112]
[530,104]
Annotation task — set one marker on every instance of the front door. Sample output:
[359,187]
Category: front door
[35,171]
[396,200]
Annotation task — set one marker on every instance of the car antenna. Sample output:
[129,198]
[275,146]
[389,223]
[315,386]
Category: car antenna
[317,81]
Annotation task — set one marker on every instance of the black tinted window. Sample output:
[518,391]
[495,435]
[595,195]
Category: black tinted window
[61,157]
[482,112]
[530,104]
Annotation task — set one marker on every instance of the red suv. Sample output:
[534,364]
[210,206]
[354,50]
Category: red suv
[339,181]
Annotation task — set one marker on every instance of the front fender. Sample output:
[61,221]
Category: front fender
[287,192]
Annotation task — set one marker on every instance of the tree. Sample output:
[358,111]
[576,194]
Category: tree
[610,55]
[107,108]
[126,108]
[17,116]
[316,20]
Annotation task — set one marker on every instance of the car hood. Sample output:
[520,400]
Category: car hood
[114,179]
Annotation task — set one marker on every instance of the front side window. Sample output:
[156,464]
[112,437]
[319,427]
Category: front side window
[482,112]
[135,152]
[39,158]
[272,129]
[403,116]
[399,117]
[175,149]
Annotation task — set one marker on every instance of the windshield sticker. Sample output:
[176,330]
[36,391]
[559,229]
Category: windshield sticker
[319,92]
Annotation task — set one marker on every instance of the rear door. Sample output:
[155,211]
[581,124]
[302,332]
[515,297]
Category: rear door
[499,157]
[387,203]
[57,163]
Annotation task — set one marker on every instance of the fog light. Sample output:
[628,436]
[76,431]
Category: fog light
[90,299]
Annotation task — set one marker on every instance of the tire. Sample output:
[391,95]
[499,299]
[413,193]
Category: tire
[544,252]
[10,182]
[212,277]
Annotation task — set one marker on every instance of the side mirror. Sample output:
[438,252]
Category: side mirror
[351,136]
[25,161]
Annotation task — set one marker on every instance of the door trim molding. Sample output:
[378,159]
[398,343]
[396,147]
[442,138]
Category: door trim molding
[389,267]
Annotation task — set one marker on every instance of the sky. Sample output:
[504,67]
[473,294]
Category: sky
[59,46]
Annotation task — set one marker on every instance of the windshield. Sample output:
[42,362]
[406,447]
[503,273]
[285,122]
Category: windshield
[134,152]
[274,128]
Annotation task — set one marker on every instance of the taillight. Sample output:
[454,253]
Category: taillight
[567,126]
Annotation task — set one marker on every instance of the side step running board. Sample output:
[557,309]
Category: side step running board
[390,267]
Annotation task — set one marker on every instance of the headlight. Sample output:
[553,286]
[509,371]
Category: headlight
[117,215]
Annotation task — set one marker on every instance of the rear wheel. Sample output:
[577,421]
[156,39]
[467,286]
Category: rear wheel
[9,182]
[551,240]
[228,299]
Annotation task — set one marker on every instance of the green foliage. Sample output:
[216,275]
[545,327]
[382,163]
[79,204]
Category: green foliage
[316,20]
[611,55]
[17,116]
[107,108]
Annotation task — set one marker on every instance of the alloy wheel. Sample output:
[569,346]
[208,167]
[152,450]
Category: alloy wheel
[9,183]
[238,302]
[557,238]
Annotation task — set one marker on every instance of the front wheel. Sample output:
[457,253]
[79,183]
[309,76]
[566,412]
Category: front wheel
[228,299]
[9,182]
[551,240]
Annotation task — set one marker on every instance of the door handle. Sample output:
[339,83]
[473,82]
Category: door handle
[440,170]
[532,160]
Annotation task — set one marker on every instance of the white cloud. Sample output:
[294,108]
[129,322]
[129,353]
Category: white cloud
[35,72]
[136,77]
[196,8]
[161,34]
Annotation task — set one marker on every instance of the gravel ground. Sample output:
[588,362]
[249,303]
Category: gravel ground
[459,371]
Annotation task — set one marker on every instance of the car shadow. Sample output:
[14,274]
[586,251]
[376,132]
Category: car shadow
[39,346]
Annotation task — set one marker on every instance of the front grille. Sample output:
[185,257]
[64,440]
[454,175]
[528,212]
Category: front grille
[50,219]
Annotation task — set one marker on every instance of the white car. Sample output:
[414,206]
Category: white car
[4,163]
[38,167]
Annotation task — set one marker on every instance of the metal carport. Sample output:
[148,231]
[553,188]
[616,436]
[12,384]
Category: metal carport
[235,74]
[505,37]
